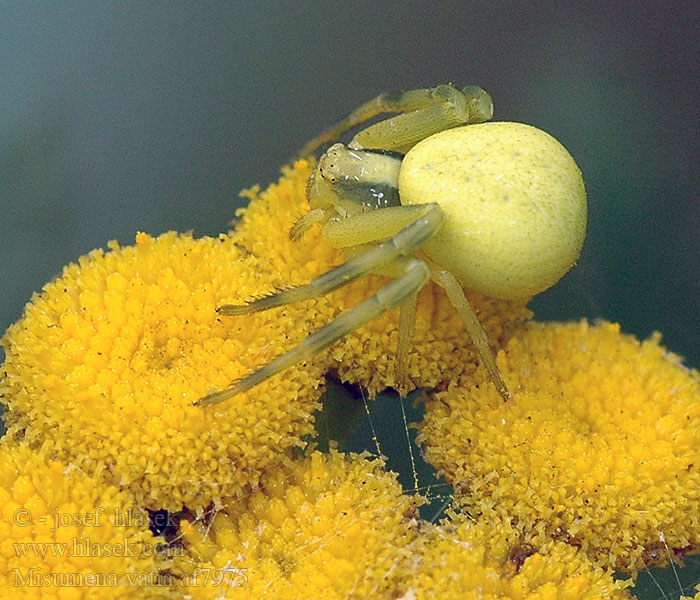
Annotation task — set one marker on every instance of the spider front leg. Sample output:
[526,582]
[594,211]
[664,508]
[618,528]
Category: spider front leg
[397,250]
[422,113]
[416,274]
[415,225]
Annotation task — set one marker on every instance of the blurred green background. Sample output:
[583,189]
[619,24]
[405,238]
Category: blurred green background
[125,116]
[117,117]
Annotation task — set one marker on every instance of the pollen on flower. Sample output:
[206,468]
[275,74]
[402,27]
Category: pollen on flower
[462,559]
[64,535]
[329,526]
[105,365]
[600,445]
[440,346]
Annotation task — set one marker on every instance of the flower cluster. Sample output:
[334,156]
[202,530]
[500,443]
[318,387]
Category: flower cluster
[329,526]
[460,558]
[591,466]
[106,363]
[599,446]
[63,535]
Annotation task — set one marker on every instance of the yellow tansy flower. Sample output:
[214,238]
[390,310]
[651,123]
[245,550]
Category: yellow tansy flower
[325,526]
[462,559]
[696,597]
[441,349]
[599,447]
[66,536]
[106,363]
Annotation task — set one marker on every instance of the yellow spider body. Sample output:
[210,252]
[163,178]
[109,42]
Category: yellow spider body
[497,207]
[514,204]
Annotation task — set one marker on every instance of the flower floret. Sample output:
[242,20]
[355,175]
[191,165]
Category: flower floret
[460,558]
[326,526]
[599,446]
[65,535]
[105,365]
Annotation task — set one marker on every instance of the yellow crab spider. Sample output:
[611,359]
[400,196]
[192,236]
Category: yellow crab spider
[434,193]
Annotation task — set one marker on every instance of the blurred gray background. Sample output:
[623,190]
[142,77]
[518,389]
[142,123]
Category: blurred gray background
[117,117]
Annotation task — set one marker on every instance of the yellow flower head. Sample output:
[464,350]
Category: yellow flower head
[696,597]
[65,536]
[105,365]
[600,445]
[441,349]
[327,526]
[462,559]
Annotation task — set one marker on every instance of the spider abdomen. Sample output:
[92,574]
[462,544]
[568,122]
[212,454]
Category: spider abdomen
[515,204]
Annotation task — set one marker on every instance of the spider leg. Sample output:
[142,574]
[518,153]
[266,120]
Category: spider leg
[415,276]
[372,226]
[472,101]
[475,329]
[300,227]
[383,103]
[402,132]
[423,222]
